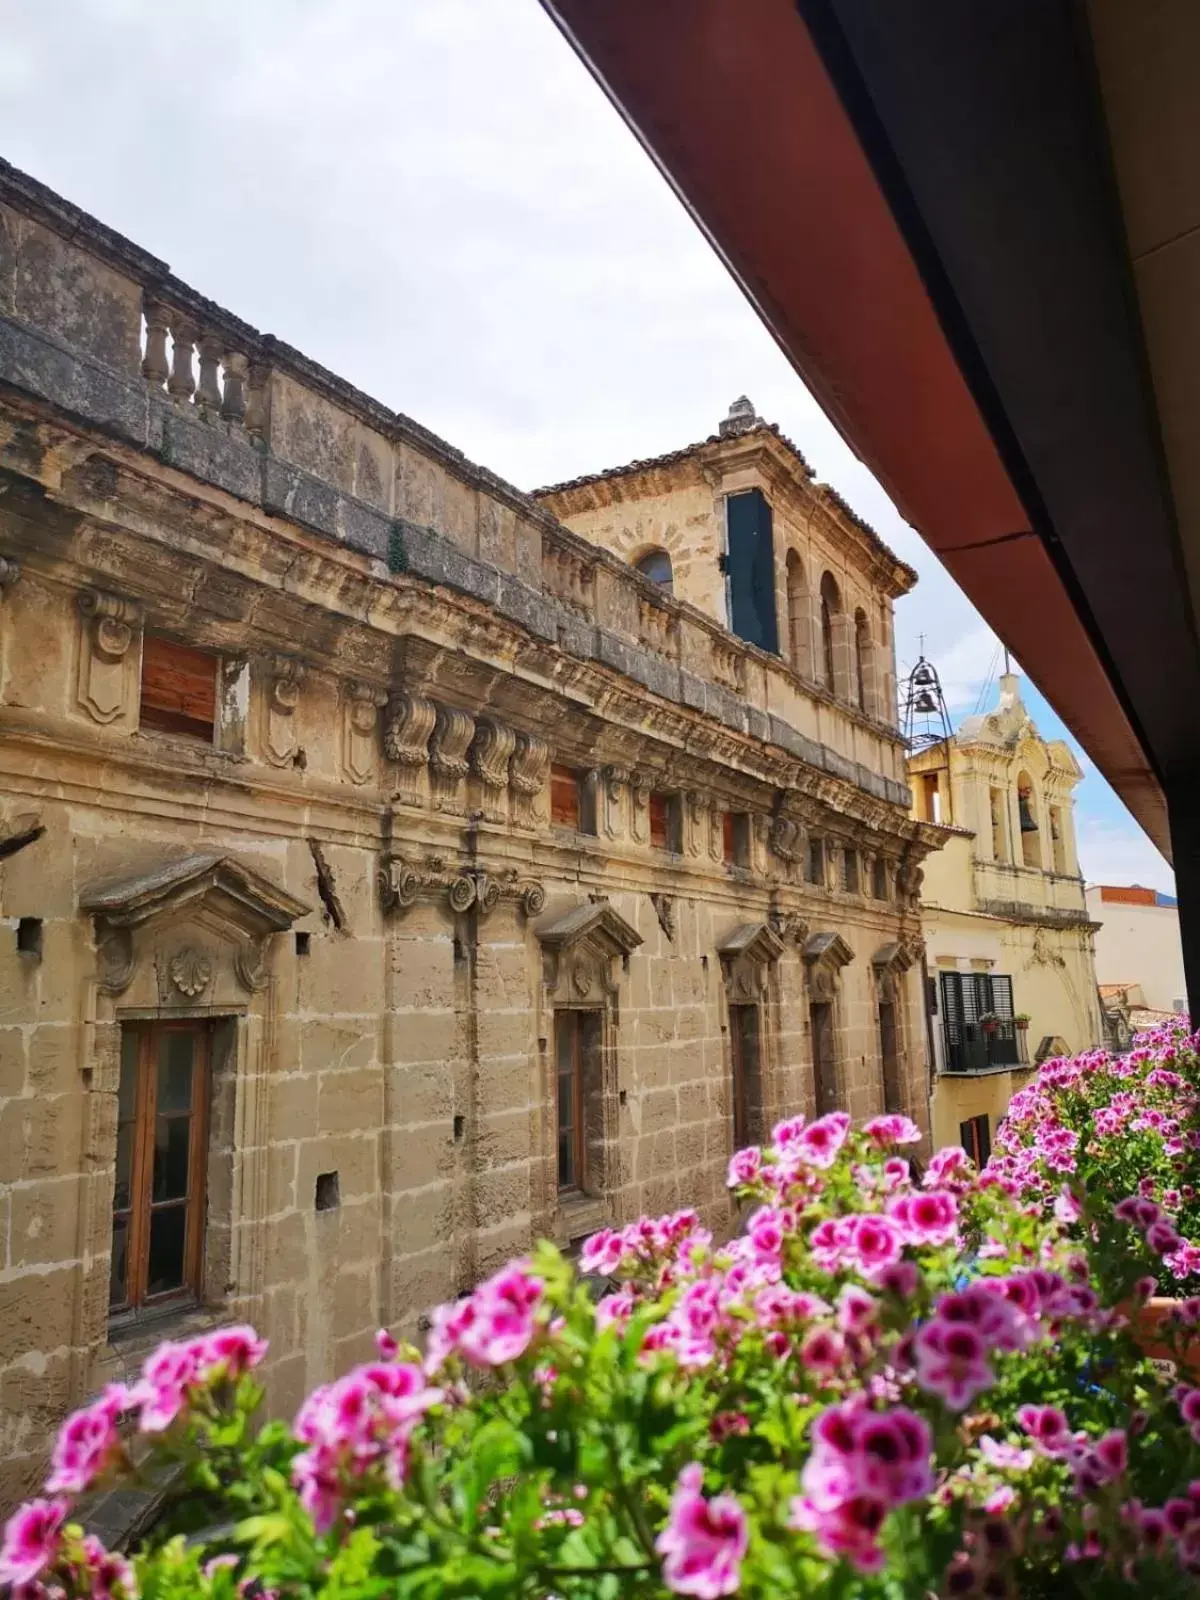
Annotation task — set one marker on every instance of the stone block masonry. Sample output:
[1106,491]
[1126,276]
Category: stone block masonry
[312,1007]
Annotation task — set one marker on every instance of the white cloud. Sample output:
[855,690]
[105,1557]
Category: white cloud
[435,200]
[1109,853]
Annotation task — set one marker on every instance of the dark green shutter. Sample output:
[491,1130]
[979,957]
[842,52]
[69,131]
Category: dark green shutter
[750,565]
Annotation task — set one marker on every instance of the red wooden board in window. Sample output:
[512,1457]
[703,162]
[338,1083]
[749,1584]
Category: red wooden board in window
[179,688]
[727,837]
[564,797]
[659,824]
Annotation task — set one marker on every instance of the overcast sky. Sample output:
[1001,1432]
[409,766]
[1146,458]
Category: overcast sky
[433,199]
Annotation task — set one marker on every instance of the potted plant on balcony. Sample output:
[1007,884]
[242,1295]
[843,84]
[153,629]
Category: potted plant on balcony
[989,1022]
[1022,1021]
[879,1388]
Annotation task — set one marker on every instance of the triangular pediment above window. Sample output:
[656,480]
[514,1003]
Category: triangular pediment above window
[894,958]
[580,948]
[752,941]
[223,884]
[829,949]
[194,919]
[825,954]
[595,923]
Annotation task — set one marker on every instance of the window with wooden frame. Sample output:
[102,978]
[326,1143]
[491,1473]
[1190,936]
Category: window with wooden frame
[975,1138]
[850,870]
[572,799]
[162,1141]
[666,822]
[746,1062]
[814,861]
[179,689]
[736,826]
[577,1044]
[879,878]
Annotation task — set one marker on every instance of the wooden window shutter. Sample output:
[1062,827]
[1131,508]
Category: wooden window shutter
[179,688]
[750,563]
[564,797]
[660,824]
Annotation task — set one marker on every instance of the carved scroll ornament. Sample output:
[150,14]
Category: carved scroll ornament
[403,881]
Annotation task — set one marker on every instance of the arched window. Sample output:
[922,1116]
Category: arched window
[656,565]
[862,662]
[1031,835]
[831,605]
[799,641]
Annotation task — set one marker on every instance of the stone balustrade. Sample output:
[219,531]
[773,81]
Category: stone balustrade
[168,371]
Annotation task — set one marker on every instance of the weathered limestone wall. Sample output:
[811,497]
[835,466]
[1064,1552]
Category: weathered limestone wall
[356,883]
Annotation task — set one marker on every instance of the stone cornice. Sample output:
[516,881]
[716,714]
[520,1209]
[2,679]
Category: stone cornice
[321,620]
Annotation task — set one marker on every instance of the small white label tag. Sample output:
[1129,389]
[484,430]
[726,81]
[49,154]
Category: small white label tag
[1165,1369]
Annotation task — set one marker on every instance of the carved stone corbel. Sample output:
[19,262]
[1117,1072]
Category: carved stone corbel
[613,780]
[106,668]
[716,833]
[453,731]
[489,755]
[639,807]
[786,840]
[410,722]
[696,807]
[284,677]
[790,926]
[527,779]
[361,703]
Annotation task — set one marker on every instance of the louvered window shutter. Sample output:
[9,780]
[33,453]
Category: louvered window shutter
[1002,998]
[952,1018]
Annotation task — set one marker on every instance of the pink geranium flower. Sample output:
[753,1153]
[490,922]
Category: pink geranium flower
[1047,1427]
[928,1218]
[88,1442]
[704,1541]
[744,1166]
[873,1244]
[951,1360]
[820,1142]
[32,1539]
[892,1129]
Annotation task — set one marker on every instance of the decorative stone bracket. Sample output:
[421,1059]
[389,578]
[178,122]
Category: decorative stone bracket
[106,674]
[786,840]
[222,905]
[402,882]
[825,954]
[361,704]
[747,955]
[284,678]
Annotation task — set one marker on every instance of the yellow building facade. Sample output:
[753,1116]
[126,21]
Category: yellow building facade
[1009,942]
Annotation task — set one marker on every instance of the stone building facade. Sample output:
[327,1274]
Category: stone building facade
[1009,938]
[388,876]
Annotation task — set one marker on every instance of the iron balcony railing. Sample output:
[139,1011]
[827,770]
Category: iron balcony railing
[976,1047]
